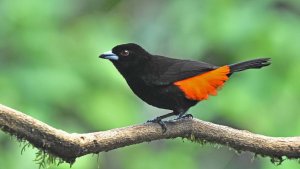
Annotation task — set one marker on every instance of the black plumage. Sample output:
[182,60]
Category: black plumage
[152,77]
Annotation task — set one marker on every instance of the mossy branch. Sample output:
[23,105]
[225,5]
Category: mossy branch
[68,146]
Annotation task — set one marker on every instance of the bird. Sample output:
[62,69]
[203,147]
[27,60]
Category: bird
[170,83]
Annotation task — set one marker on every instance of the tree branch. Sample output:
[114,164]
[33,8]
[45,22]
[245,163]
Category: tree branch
[70,146]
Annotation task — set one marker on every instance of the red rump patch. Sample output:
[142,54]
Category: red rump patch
[201,86]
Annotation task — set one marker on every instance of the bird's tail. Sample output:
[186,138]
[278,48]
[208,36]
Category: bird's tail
[250,64]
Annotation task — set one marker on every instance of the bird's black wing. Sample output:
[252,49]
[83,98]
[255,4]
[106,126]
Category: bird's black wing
[166,71]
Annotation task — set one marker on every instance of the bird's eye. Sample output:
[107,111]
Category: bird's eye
[125,53]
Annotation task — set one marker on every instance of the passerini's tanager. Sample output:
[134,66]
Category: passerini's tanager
[169,83]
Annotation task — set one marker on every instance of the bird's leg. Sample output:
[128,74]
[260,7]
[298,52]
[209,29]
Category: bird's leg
[160,122]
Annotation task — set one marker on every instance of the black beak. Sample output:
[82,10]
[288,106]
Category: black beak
[109,55]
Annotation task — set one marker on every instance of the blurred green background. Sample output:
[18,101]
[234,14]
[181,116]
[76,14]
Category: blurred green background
[49,68]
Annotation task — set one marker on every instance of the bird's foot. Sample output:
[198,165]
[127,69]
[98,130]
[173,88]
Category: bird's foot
[186,116]
[160,122]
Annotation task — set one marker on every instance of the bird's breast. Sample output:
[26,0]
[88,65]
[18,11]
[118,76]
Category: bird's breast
[162,96]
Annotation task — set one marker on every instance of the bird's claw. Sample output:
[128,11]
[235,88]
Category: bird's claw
[186,116]
[160,122]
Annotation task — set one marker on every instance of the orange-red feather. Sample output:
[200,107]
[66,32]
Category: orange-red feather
[201,86]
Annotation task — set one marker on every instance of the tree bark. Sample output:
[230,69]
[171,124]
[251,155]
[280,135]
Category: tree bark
[69,146]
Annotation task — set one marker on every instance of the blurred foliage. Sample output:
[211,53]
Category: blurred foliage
[49,68]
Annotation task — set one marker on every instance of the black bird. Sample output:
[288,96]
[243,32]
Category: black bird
[170,83]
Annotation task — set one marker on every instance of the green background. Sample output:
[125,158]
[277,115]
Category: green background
[49,68]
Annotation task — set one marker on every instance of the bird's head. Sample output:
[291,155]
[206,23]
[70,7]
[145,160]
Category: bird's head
[126,55]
